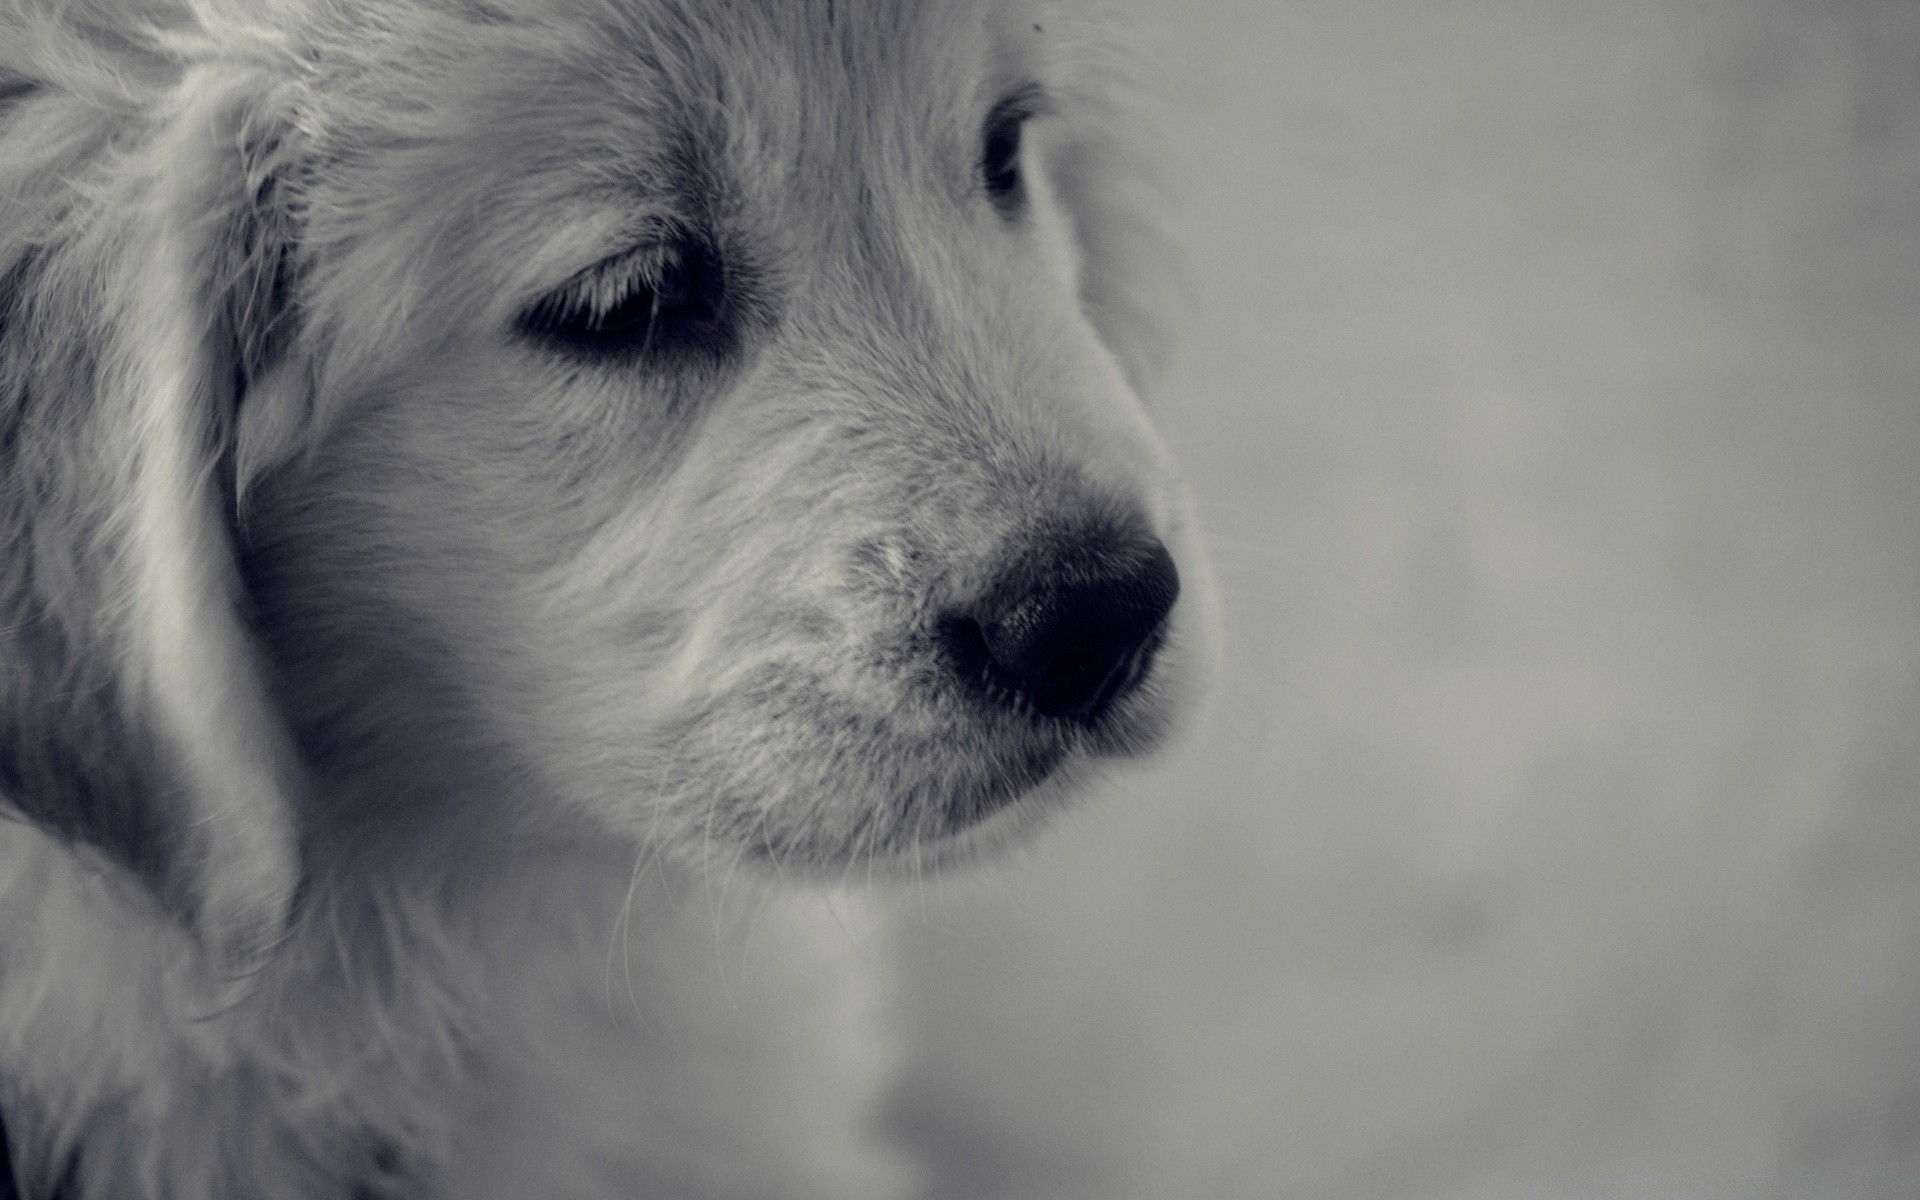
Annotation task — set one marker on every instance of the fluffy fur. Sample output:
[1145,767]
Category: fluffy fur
[386,681]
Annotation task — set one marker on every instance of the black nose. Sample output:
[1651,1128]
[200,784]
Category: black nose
[1070,635]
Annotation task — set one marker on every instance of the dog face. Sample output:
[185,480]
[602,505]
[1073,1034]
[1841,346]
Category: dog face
[711,423]
[702,422]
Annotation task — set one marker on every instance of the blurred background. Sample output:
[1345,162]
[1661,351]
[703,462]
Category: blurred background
[1552,403]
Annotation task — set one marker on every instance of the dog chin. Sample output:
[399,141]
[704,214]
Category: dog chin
[1012,822]
[993,820]
[951,823]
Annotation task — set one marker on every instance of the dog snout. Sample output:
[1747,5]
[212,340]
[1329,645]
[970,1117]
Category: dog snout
[1067,634]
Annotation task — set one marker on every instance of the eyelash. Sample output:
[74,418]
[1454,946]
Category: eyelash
[666,299]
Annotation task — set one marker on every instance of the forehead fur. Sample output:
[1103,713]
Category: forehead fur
[531,139]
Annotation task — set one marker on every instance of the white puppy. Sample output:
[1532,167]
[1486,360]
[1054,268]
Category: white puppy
[479,479]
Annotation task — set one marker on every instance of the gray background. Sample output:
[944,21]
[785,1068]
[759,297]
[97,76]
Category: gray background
[1552,399]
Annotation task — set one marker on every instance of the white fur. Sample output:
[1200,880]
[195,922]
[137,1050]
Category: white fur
[201,682]
[427,752]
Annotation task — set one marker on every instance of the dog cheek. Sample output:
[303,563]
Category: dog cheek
[733,684]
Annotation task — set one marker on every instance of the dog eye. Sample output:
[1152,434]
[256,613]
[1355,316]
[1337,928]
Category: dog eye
[1000,155]
[664,299]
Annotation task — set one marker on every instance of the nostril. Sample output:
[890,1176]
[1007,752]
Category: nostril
[1068,642]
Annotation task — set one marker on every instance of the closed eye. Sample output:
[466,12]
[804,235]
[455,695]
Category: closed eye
[664,300]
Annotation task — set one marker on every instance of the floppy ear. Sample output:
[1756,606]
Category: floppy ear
[169,283]
[199,323]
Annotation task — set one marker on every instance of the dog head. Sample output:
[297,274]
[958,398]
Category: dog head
[716,423]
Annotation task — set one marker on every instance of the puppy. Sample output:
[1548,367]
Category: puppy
[487,484]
